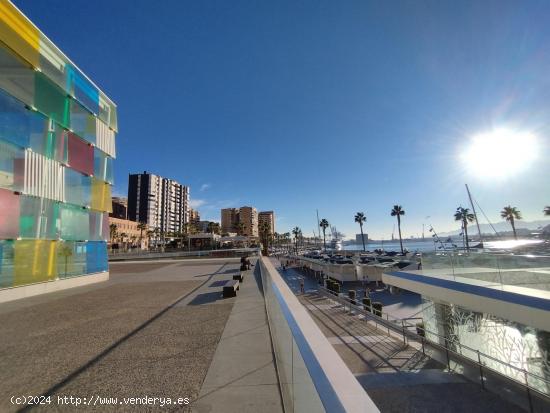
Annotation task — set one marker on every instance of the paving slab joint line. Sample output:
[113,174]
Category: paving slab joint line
[105,352]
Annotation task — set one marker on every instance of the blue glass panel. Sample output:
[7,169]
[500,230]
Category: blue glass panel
[99,226]
[18,124]
[6,264]
[75,223]
[96,257]
[53,143]
[103,166]
[77,188]
[39,218]
[12,166]
[83,90]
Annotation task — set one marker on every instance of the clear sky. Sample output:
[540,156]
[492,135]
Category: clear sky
[341,106]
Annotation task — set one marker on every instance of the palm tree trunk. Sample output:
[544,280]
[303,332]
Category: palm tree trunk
[363,237]
[324,241]
[399,227]
[466,235]
[514,228]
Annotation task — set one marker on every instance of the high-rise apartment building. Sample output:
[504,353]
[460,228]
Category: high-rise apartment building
[267,217]
[230,219]
[194,216]
[248,216]
[159,202]
[57,145]
[120,208]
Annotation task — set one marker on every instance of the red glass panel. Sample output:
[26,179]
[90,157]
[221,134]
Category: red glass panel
[81,155]
[9,214]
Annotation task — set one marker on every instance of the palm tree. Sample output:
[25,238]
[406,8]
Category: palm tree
[464,215]
[149,234]
[546,210]
[297,232]
[511,214]
[240,228]
[264,229]
[142,226]
[324,224]
[113,233]
[397,211]
[360,218]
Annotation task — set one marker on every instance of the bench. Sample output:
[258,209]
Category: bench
[238,277]
[230,288]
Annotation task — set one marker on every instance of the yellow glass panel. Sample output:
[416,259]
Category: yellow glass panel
[101,196]
[35,261]
[19,34]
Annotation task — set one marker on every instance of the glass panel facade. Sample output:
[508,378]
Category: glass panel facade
[99,226]
[50,100]
[103,166]
[83,123]
[71,258]
[18,33]
[17,77]
[81,155]
[35,261]
[101,196]
[96,257]
[9,214]
[39,218]
[6,264]
[55,184]
[75,224]
[12,166]
[78,188]
[53,144]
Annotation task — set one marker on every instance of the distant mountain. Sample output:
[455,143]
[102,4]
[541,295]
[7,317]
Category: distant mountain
[502,226]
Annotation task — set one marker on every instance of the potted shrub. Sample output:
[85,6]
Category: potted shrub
[420,329]
[367,304]
[352,295]
[377,308]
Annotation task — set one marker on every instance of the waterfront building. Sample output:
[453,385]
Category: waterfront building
[57,145]
[359,238]
[248,216]
[230,219]
[267,217]
[159,202]
[120,208]
[194,216]
[127,234]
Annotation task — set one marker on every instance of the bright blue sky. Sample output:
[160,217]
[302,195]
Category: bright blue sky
[340,106]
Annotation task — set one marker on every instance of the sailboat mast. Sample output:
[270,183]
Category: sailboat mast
[474,211]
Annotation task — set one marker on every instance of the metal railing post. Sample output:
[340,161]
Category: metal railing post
[423,351]
[528,391]
[480,370]
[404,337]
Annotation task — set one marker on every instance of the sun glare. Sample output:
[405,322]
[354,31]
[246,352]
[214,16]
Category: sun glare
[500,153]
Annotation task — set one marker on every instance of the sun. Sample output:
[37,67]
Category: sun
[499,154]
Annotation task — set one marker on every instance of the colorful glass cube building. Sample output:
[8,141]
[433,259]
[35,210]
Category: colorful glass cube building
[57,145]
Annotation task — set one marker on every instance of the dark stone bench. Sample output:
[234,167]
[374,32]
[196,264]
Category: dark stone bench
[238,277]
[230,288]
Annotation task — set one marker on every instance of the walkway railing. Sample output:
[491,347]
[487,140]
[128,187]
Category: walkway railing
[524,388]
[499,269]
[221,253]
[311,374]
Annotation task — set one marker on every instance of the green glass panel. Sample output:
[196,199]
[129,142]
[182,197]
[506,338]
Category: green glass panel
[75,224]
[39,218]
[6,264]
[52,142]
[51,100]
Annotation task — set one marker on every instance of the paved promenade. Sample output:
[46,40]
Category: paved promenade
[151,330]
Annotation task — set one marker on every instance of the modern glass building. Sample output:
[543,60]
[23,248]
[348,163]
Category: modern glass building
[57,145]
